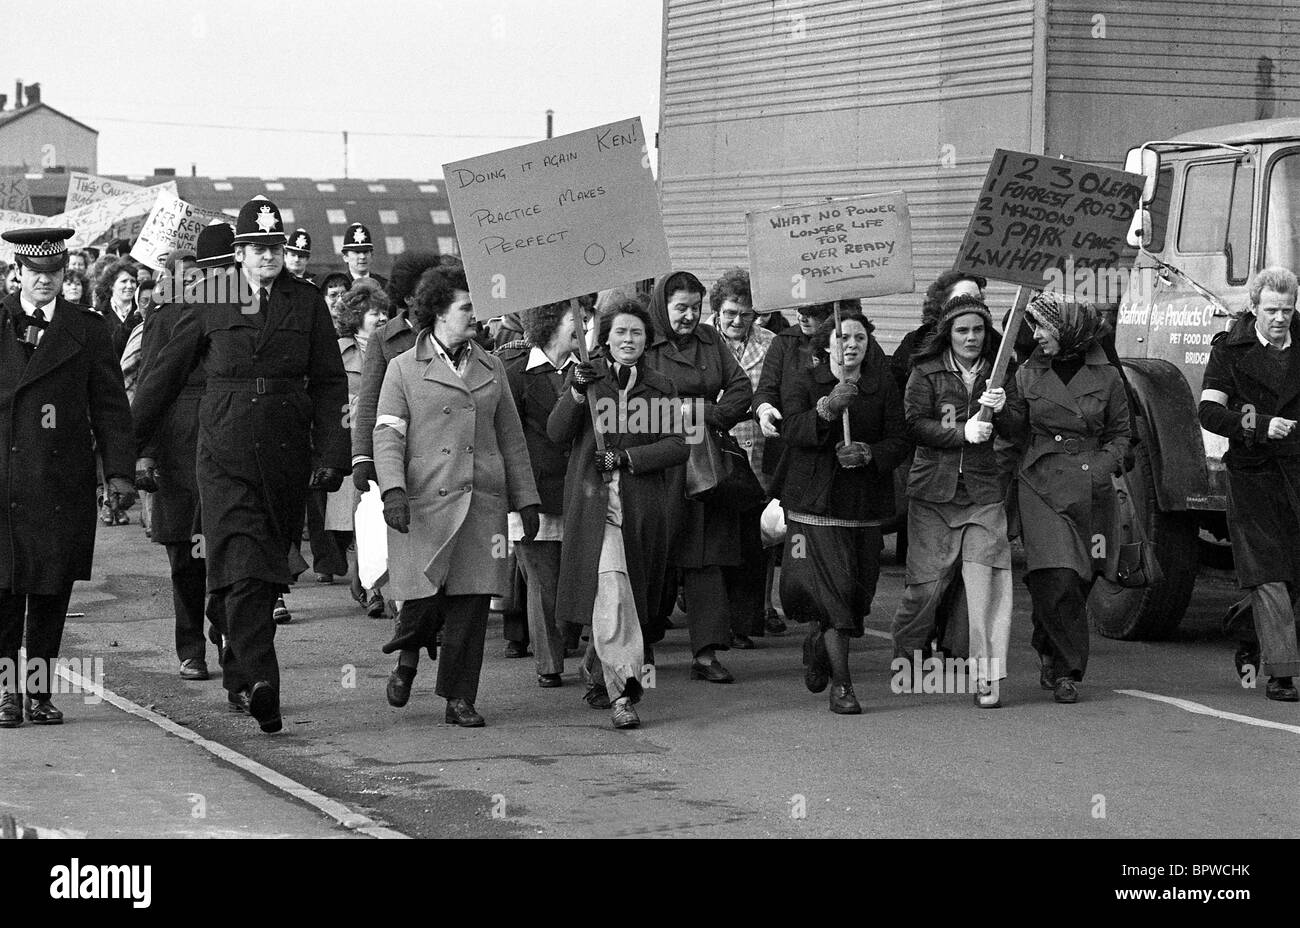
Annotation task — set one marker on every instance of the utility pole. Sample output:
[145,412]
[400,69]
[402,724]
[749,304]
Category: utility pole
[345,154]
[550,124]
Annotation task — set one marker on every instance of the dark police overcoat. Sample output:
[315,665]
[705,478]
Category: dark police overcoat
[51,406]
[273,408]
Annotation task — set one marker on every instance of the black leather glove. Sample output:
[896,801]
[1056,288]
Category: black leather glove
[363,472]
[531,517]
[713,417]
[397,510]
[146,475]
[609,460]
[328,479]
[840,397]
[122,492]
[854,454]
[584,375]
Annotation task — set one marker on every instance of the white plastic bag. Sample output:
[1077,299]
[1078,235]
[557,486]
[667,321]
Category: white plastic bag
[772,524]
[372,539]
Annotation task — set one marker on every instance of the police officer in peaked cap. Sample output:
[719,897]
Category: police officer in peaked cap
[270,428]
[297,252]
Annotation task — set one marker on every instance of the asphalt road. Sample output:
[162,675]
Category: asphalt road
[759,758]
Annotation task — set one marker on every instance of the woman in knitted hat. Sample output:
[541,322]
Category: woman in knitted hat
[1077,420]
[956,517]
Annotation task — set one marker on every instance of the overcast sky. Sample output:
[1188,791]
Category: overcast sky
[473,76]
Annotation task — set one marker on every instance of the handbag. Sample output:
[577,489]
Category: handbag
[1133,563]
[718,473]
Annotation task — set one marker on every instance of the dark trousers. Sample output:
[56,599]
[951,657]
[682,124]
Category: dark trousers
[745,583]
[708,613]
[44,616]
[242,612]
[327,557]
[1060,615]
[463,623]
[539,561]
[189,595]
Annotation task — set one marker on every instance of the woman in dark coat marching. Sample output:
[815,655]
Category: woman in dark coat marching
[703,370]
[835,495]
[1077,422]
[616,539]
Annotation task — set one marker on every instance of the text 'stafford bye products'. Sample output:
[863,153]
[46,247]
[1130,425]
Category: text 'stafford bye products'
[555,219]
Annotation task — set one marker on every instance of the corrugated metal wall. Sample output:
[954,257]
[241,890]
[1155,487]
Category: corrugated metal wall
[768,102]
[1162,67]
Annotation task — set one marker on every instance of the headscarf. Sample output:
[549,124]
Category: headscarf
[1075,326]
[659,305]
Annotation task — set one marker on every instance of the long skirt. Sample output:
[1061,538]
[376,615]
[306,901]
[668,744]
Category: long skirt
[829,573]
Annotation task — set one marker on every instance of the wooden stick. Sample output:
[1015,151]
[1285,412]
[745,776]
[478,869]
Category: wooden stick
[839,340]
[1006,350]
[575,307]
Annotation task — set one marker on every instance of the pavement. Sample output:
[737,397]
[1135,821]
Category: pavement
[1164,741]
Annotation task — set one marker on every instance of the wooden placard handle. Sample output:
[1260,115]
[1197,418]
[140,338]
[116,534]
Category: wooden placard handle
[1006,350]
[839,340]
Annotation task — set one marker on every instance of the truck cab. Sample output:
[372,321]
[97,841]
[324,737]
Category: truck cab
[1219,204]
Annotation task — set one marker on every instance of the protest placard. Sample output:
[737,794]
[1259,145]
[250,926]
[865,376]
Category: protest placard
[14,195]
[12,219]
[830,250]
[172,224]
[94,220]
[84,189]
[1039,218]
[558,218]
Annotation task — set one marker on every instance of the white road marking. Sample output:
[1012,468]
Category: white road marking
[335,810]
[1198,709]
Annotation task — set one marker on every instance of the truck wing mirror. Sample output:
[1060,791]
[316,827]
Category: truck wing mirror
[1139,231]
[1144,161]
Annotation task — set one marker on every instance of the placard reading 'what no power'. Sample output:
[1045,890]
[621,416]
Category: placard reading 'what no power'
[1035,214]
[557,219]
[831,250]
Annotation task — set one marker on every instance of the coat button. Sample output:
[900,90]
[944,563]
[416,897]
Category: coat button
[14,449]
[468,488]
[446,451]
[446,409]
[253,400]
[469,448]
[442,492]
[1085,466]
[1058,437]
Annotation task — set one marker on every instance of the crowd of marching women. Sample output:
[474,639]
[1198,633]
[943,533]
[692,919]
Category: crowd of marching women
[597,462]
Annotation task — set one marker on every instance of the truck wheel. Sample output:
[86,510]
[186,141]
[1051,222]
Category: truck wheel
[1153,612]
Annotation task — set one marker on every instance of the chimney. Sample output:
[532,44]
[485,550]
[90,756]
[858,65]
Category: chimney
[18,94]
[164,172]
[4,99]
[33,94]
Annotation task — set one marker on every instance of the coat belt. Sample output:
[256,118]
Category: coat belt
[258,385]
[1066,444]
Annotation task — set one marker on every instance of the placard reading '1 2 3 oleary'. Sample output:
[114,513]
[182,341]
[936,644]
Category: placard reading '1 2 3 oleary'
[831,250]
[1035,214]
[559,218]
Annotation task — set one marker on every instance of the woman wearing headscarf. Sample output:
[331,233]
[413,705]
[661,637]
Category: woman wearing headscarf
[957,489]
[1077,423]
[835,494]
[451,460]
[716,393]
[616,501]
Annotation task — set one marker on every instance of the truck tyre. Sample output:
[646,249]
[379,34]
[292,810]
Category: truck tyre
[1153,612]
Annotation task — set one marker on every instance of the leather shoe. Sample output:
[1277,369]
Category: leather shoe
[324,578]
[263,703]
[40,711]
[235,701]
[375,608]
[11,710]
[516,649]
[1045,679]
[988,695]
[281,613]
[548,681]
[195,669]
[742,642]
[1246,655]
[461,712]
[713,672]
[773,624]
[1282,689]
[624,715]
[1065,691]
[816,676]
[399,686]
[843,700]
[597,696]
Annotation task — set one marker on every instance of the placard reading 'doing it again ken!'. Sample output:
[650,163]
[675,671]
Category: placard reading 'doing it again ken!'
[558,218]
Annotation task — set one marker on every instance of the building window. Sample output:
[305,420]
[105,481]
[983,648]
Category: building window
[440,217]
[326,188]
[377,188]
[274,186]
[286,214]
[337,217]
[224,186]
[338,244]
[388,217]
[447,245]
[395,244]
[428,188]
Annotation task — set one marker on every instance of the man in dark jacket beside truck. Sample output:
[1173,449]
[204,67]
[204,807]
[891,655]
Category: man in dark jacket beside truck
[1251,395]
